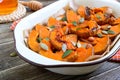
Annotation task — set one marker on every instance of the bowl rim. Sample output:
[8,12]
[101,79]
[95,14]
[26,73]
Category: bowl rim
[63,65]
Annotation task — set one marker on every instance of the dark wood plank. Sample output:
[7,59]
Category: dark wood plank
[29,72]
[5,60]
[26,71]
[113,74]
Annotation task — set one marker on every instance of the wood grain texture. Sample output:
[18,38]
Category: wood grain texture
[14,68]
[29,72]
[113,74]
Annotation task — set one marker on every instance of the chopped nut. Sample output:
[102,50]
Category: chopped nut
[91,39]
[88,46]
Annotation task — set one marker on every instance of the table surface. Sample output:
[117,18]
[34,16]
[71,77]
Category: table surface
[14,68]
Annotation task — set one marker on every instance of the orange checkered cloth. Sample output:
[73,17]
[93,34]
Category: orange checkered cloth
[116,57]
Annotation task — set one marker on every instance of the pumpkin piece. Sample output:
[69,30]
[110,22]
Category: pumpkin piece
[40,29]
[92,25]
[73,29]
[71,41]
[32,41]
[83,33]
[81,11]
[52,22]
[58,56]
[71,57]
[65,29]
[83,54]
[116,21]
[104,9]
[47,42]
[72,16]
[48,54]
[116,30]
[105,27]
[98,17]
[101,46]
[56,38]
[84,24]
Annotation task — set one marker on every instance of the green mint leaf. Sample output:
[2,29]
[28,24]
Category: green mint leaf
[74,23]
[110,32]
[52,26]
[66,53]
[39,39]
[78,29]
[64,19]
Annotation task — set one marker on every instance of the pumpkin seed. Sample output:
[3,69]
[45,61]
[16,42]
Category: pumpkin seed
[110,32]
[109,26]
[67,30]
[99,35]
[44,46]
[82,20]
[104,32]
[13,54]
[66,53]
[73,43]
[74,23]
[47,39]
[78,44]
[64,47]
[84,45]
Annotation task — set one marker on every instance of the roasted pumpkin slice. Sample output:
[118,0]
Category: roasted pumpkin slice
[48,54]
[83,54]
[71,41]
[72,16]
[81,11]
[115,31]
[52,22]
[72,57]
[40,29]
[101,46]
[56,38]
[98,17]
[32,41]
[83,33]
[116,21]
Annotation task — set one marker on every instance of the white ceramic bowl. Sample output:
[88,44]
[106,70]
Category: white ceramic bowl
[67,68]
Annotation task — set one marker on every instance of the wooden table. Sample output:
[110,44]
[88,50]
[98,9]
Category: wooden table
[14,68]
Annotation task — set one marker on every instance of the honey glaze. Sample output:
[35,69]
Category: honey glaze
[8,6]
